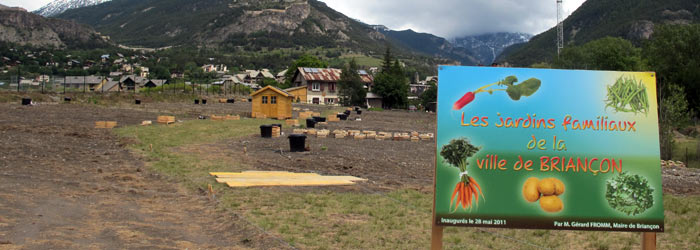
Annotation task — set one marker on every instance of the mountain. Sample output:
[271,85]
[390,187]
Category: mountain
[487,47]
[261,23]
[59,6]
[630,19]
[429,44]
[20,27]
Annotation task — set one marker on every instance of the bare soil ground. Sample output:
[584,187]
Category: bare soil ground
[66,185]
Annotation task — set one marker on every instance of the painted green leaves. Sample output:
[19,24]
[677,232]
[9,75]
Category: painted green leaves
[628,95]
[457,151]
[629,193]
[526,88]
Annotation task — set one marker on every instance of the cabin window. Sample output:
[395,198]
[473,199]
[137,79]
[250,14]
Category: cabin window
[330,100]
[264,99]
[316,86]
[273,100]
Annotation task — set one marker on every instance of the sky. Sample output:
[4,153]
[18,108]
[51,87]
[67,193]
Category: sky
[445,18]
[30,5]
[455,18]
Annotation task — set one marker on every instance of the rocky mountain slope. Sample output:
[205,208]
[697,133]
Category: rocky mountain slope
[633,20]
[487,47]
[21,27]
[431,45]
[249,24]
[289,23]
[59,6]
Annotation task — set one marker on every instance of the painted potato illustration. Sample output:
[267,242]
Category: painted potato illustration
[551,203]
[558,187]
[546,186]
[530,189]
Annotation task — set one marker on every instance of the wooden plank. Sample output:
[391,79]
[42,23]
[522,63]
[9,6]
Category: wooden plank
[275,173]
[289,178]
[288,183]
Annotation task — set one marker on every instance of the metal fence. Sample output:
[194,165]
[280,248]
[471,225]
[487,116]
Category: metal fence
[60,84]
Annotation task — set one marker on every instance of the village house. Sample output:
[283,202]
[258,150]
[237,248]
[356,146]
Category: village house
[322,84]
[87,83]
[219,69]
[281,76]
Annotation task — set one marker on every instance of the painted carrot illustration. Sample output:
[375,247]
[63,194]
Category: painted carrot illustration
[467,189]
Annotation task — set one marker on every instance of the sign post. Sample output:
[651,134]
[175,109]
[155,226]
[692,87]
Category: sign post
[547,149]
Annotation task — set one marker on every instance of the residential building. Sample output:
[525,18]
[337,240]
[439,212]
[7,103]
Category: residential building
[322,84]
[88,83]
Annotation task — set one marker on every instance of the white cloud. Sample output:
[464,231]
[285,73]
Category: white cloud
[452,18]
[30,5]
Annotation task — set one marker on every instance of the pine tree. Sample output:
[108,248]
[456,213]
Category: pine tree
[350,86]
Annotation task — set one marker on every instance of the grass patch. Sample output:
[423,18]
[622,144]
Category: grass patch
[375,109]
[689,145]
[318,218]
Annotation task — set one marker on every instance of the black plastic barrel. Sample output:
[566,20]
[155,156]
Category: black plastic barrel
[319,119]
[347,112]
[310,123]
[343,117]
[204,101]
[67,99]
[266,131]
[26,101]
[230,100]
[359,112]
[137,102]
[196,101]
[297,143]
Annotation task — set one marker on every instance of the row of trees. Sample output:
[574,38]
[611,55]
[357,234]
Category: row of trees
[672,52]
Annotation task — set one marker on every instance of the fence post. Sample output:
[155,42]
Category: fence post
[19,76]
[84,83]
[64,84]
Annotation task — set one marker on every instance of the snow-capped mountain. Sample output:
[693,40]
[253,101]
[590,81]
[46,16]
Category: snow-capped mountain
[487,47]
[59,6]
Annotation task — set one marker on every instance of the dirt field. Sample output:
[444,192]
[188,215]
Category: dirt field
[67,185]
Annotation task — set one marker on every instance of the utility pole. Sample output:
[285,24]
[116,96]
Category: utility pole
[560,26]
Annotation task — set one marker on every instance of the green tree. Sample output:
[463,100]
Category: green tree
[673,52]
[391,83]
[609,53]
[305,60]
[673,114]
[269,82]
[351,88]
[429,95]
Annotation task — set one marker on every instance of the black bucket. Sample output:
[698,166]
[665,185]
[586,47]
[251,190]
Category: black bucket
[297,143]
[204,101]
[310,123]
[26,101]
[343,117]
[357,108]
[266,131]
[347,112]
[250,99]
[196,101]
[137,102]
[319,119]
[67,99]
[230,100]
[359,112]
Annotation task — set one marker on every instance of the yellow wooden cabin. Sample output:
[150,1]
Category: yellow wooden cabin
[272,102]
[299,93]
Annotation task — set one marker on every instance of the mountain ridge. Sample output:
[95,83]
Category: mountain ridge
[57,7]
[632,20]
